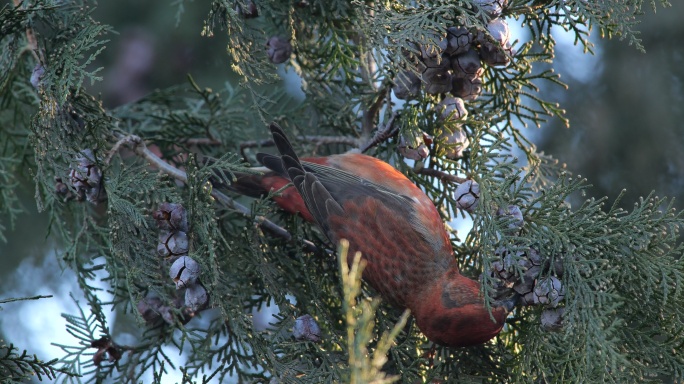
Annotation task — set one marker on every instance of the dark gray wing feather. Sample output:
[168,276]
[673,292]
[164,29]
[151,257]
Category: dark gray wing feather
[317,198]
[324,189]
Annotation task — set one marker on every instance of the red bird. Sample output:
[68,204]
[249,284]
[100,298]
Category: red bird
[394,225]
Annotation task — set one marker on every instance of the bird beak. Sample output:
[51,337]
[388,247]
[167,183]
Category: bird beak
[510,302]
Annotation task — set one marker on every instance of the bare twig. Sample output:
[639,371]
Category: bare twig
[381,135]
[253,144]
[368,68]
[370,115]
[141,150]
[203,141]
[316,139]
[319,140]
[31,38]
[3,301]
[441,175]
[115,149]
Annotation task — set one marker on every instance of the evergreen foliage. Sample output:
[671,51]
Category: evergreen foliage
[622,270]
[17,366]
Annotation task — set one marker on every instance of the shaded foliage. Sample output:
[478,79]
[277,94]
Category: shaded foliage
[622,269]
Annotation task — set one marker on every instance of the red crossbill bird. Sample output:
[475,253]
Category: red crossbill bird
[395,226]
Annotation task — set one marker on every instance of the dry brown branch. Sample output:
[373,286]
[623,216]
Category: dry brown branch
[443,176]
[382,134]
[140,149]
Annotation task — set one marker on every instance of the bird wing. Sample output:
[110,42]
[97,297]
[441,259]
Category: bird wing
[326,188]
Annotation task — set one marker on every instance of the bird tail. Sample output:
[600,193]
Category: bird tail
[287,164]
[277,173]
[315,196]
[248,184]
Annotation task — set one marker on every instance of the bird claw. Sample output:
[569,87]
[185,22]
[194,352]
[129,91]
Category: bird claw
[505,296]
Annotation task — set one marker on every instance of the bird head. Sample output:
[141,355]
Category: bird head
[454,314]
